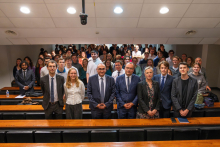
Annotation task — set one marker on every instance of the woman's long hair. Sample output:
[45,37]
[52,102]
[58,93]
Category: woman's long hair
[110,67]
[31,63]
[68,80]
[38,65]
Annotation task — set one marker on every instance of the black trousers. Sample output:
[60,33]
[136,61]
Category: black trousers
[74,111]
[101,113]
[164,113]
[56,109]
[177,114]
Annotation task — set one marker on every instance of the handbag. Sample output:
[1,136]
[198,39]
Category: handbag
[209,102]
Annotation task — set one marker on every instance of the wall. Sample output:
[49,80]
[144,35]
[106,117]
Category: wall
[191,50]
[8,57]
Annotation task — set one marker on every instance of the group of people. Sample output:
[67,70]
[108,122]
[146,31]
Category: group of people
[144,85]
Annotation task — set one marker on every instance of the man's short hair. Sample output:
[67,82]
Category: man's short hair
[171,51]
[197,64]
[57,55]
[176,58]
[69,50]
[68,58]
[118,56]
[135,58]
[146,53]
[46,58]
[94,51]
[127,57]
[52,61]
[165,63]
[159,52]
[118,61]
[74,55]
[60,59]
[129,63]
[184,54]
[183,63]
[23,62]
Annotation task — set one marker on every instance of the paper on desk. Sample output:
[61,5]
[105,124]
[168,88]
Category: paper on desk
[20,96]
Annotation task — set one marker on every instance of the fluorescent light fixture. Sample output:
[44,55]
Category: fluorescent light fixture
[118,10]
[25,10]
[164,10]
[71,10]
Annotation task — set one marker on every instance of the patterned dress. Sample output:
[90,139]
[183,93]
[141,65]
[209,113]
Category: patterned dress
[150,92]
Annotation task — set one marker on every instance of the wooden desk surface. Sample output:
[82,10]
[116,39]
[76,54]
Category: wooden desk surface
[107,123]
[182,143]
[17,88]
[17,108]
[13,97]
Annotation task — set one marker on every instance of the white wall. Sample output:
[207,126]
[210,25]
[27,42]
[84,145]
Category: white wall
[8,56]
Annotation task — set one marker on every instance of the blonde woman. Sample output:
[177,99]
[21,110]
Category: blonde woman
[74,94]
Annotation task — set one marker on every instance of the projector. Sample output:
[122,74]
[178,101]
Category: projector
[83,18]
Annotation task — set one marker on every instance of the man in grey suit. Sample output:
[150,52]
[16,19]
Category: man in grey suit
[25,78]
[184,92]
[53,91]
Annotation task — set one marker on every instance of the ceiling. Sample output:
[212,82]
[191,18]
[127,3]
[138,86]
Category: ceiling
[140,22]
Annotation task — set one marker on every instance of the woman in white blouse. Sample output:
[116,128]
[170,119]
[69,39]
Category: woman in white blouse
[74,94]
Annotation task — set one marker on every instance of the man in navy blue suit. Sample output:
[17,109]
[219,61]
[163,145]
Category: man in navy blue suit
[101,93]
[126,93]
[165,82]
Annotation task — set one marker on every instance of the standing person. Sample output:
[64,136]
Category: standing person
[175,67]
[138,71]
[17,66]
[165,81]
[74,94]
[126,93]
[114,54]
[39,66]
[170,58]
[162,49]
[75,62]
[151,55]
[119,70]
[25,78]
[184,93]
[83,70]
[88,53]
[53,91]
[92,65]
[143,61]
[190,62]
[137,53]
[68,62]
[61,70]
[44,71]
[30,63]
[157,59]
[101,93]
[148,96]
[184,57]
[151,64]
[109,68]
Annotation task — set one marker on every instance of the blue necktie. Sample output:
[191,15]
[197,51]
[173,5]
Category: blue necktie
[128,82]
[52,90]
[118,73]
[102,91]
[162,84]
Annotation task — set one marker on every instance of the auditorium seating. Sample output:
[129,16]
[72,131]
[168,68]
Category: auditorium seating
[76,136]
[186,134]
[20,137]
[47,136]
[104,135]
[159,134]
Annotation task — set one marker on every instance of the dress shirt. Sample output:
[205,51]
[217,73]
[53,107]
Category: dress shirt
[127,81]
[92,65]
[165,77]
[115,73]
[104,81]
[74,95]
[55,87]
[169,61]
[151,57]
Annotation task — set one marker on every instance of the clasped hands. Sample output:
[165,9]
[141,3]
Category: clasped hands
[128,105]
[101,106]
[26,87]
[183,113]
[152,113]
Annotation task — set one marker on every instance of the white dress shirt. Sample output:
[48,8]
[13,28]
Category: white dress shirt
[44,71]
[115,73]
[92,65]
[74,95]
[127,81]
[104,81]
[55,88]
[169,61]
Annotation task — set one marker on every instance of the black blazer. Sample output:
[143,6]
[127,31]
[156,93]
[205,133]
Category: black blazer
[27,81]
[45,87]
[143,99]
[176,93]
[37,75]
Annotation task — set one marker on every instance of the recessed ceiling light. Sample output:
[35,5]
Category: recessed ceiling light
[71,10]
[164,10]
[118,10]
[25,10]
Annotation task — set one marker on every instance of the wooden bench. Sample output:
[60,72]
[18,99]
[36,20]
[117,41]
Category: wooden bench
[12,97]
[37,88]
[184,143]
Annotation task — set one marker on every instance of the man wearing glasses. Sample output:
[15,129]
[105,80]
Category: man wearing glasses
[126,93]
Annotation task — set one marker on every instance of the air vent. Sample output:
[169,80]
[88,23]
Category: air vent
[11,33]
[191,32]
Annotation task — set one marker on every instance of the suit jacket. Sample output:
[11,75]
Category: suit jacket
[45,87]
[166,91]
[27,81]
[143,99]
[122,95]
[94,93]
[176,93]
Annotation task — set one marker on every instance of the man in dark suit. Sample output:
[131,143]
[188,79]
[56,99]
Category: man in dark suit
[165,81]
[25,78]
[184,92]
[126,93]
[101,93]
[53,91]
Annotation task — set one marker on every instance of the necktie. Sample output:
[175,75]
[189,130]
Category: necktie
[24,74]
[52,90]
[102,91]
[128,82]
[118,73]
[162,84]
